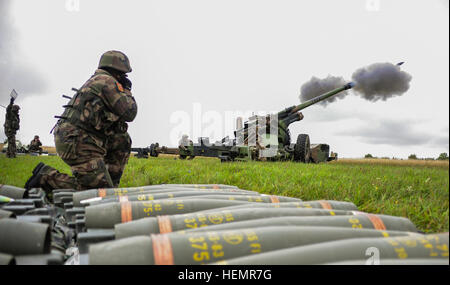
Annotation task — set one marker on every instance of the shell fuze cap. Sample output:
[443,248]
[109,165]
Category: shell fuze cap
[116,60]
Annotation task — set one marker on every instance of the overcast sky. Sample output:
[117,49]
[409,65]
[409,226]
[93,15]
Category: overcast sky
[196,63]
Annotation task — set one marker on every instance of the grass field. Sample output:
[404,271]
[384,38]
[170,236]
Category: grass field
[418,190]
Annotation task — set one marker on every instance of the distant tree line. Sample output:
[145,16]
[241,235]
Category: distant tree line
[442,156]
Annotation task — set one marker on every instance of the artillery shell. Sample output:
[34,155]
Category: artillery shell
[107,215]
[103,193]
[6,259]
[377,222]
[149,196]
[322,204]
[207,247]
[134,250]
[399,248]
[200,220]
[13,192]
[253,198]
[24,238]
[6,214]
[407,261]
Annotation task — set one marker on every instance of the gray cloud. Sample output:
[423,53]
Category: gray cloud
[15,71]
[394,132]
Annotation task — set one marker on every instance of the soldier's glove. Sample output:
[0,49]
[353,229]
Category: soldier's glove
[11,101]
[126,83]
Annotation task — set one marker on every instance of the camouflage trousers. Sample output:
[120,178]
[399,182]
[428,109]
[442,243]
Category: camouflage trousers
[95,163]
[11,150]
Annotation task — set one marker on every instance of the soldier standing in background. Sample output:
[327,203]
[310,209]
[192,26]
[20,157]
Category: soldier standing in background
[91,135]
[12,125]
[35,145]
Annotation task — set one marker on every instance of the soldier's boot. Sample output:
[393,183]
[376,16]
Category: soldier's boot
[35,180]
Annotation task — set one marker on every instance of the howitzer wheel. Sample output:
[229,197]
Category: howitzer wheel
[302,150]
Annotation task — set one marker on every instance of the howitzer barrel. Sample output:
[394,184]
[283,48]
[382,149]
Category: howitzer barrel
[107,215]
[323,97]
[289,115]
[433,246]
[165,224]
[207,247]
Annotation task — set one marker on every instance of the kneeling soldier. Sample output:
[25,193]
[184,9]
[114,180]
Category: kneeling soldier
[91,135]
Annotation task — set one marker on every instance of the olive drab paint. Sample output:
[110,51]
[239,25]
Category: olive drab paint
[201,220]
[427,247]
[214,246]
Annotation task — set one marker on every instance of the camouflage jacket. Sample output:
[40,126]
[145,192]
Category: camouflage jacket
[101,106]
[35,143]
[12,121]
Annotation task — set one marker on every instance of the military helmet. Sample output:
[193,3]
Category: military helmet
[15,108]
[36,137]
[116,60]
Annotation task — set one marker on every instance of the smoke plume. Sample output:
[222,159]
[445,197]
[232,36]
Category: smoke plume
[317,86]
[14,70]
[380,81]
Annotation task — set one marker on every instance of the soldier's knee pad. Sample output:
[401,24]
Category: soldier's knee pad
[92,174]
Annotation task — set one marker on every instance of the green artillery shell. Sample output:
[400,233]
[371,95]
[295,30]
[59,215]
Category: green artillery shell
[370,221]
[103,193]
[203,186]
[401,248]
[165,224]
[40,259]
[24,238]
[6,214]
[207,247]
[323,204]
[149,196]
[6,259]
[107,215]
[248,198]
[12,192]
[133,251]
[407,261]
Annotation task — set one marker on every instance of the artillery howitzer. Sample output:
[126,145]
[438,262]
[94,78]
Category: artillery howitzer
[153,150]
[268,138]
[260,138]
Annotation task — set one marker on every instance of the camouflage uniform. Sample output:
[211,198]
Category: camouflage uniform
[91,135]
[35,145]
[12,125]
